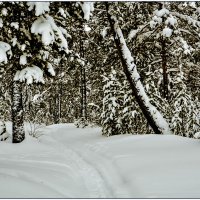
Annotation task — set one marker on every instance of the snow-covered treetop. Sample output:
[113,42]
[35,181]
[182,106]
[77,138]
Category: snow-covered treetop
[170,21]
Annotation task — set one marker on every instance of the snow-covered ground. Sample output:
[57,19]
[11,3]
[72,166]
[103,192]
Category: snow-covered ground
[73,163]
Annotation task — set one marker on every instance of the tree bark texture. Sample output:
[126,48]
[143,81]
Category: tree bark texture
[17,113]
[83,86]
[164,67]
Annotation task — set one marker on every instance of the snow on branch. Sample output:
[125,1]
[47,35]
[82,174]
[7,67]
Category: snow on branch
[187,18]
[38,97]
[87,8]
[162,12]
[170,21]
[187,49]
[50,32]
[40,7]
[5,49]
[51,69]
[30,75]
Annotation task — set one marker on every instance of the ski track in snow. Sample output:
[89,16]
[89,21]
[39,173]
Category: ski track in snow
[98,181]
[35,171]
[90,176]
[70,162]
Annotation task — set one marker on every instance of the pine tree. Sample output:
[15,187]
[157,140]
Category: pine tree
[184,110]
[111,106]
[23,23]
[132,119]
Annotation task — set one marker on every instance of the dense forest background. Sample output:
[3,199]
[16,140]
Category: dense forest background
[60,63]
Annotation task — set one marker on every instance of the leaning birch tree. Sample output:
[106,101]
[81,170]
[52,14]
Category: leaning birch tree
[153,116]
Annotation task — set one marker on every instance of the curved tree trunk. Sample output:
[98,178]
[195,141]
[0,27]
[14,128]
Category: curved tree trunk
[153,116]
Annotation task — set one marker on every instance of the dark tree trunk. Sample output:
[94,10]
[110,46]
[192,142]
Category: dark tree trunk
[164,92]
[58,95]
[17,101]
[60,101]
[81,91]
[17,113]
[84,95]
[144,106]
[56,108]
[83,86]
[164,67]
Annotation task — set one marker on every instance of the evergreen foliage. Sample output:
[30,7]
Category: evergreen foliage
[53,55]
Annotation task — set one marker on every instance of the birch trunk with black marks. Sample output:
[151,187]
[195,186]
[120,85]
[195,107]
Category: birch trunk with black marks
[17,113]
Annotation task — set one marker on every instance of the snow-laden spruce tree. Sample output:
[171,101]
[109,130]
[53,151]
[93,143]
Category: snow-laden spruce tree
[178,47]
[132,120]
[29,38]
[171,41]
[185,119]
[110,117]
[129,112]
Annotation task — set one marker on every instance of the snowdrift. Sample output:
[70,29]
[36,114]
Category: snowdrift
[66,162]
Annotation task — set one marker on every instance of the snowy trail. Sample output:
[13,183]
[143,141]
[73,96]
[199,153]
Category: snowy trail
[59,170]
[43,178]
[94,163]
[91,177]
[147,166]
[70,162]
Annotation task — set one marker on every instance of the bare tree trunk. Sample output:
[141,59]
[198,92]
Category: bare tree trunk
[60,100]
[164,67]
[83,86]
[58,96]
[153,116]
[81,91]
[17,113]
[60,87]
[85,97]
[56,109]
[165,91]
